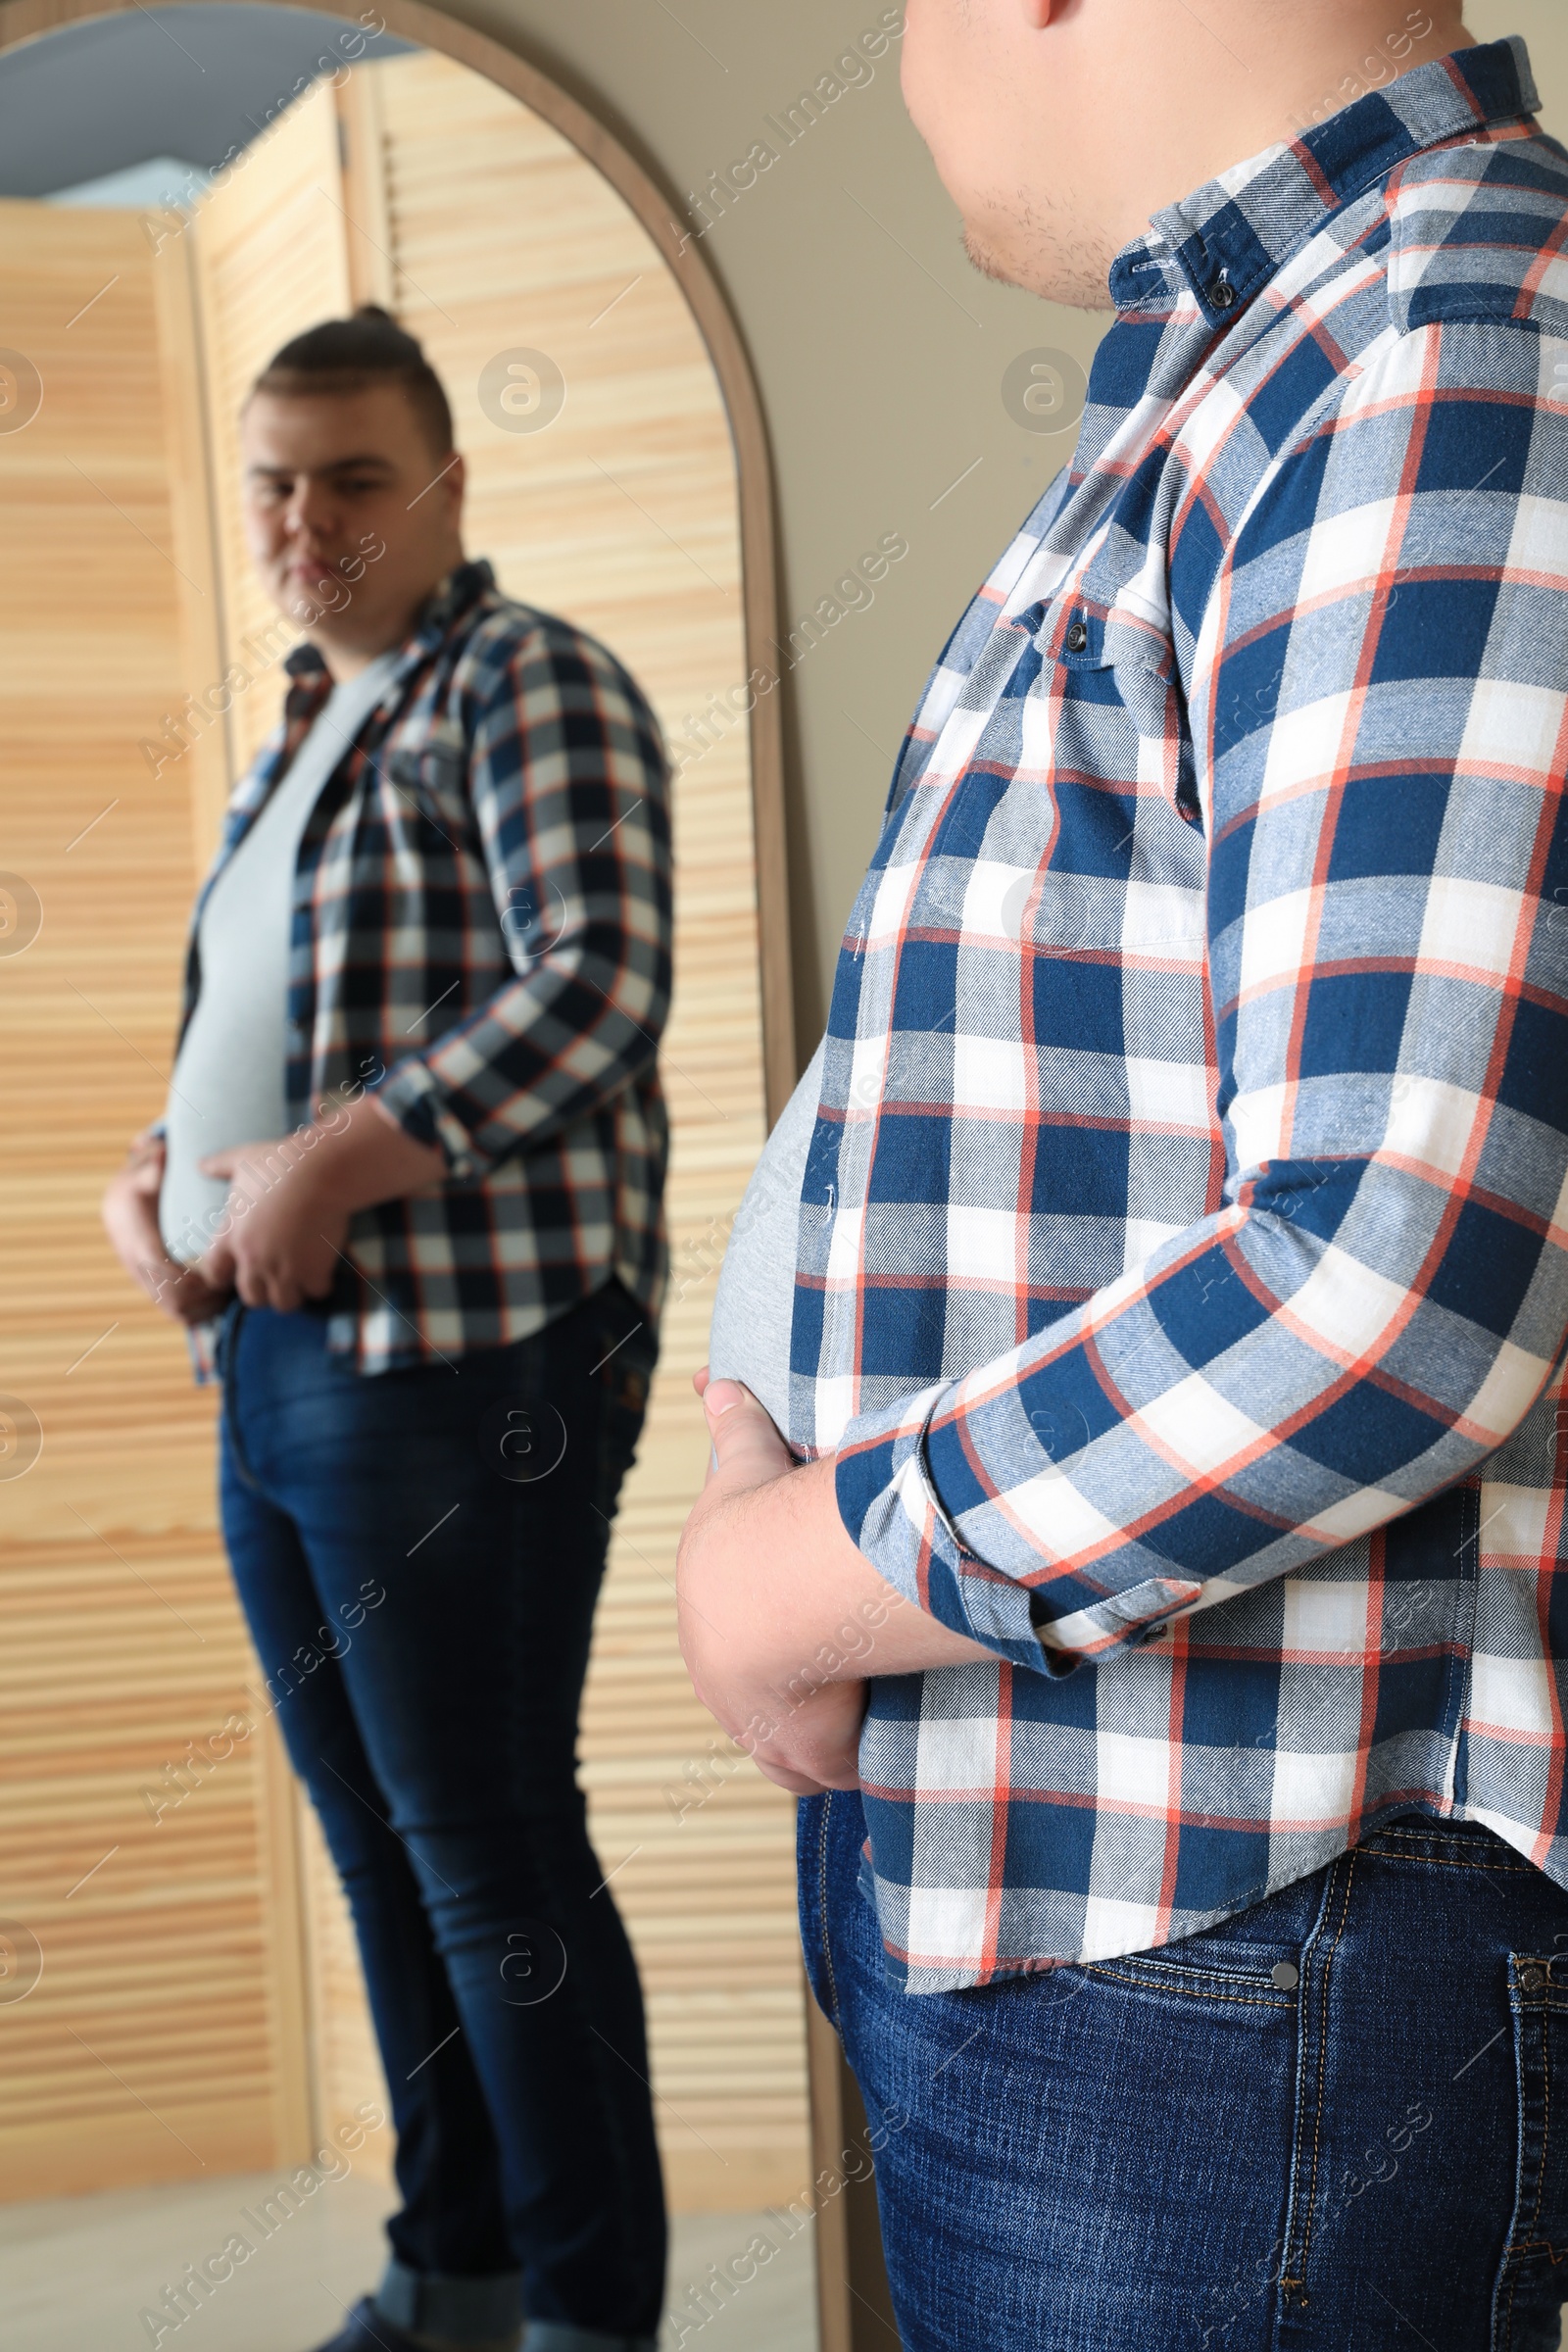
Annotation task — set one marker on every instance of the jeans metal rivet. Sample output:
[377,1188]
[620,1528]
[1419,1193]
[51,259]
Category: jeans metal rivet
[1532,1978]
[1286,1974]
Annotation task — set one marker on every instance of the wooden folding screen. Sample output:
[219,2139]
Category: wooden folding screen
[148,1865]
[267,254]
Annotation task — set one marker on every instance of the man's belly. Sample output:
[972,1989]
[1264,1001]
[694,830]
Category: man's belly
[753,1307]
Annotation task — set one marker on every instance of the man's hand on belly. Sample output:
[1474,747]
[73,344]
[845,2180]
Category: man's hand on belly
[129,1210]
[290,1202]
[782,1618]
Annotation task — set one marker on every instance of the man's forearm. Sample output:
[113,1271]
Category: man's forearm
[839,1588]
[367,1157]
[782,1581]
[782,1618]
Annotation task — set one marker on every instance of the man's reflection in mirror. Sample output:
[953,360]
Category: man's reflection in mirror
[406,1197]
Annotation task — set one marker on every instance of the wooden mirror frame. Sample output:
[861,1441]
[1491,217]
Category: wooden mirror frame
[847,2245]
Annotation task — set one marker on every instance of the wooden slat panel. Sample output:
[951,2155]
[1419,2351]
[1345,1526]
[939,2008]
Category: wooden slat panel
[271,260]
[163,2038]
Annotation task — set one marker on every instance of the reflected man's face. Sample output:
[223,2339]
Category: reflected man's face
[350,517]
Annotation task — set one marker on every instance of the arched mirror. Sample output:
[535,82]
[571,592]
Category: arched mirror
[185,2053]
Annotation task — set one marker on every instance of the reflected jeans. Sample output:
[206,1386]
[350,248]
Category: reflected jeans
[1337,2122]
[418,1555]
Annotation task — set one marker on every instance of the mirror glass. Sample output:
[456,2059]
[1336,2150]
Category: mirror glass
[186,2055]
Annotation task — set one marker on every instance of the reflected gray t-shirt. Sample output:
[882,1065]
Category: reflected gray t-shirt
[750,1336]
[230,1082]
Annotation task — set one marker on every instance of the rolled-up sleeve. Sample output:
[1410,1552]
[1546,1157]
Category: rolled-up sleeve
[567,780]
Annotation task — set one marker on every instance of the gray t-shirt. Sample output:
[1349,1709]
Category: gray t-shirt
[750,1336]
[229,1084]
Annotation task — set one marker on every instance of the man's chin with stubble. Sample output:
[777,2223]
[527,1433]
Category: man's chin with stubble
[1054,257]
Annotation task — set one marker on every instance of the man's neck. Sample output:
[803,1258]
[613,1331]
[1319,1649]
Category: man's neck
[1266,76]
[349,651]
[344,662]
[1196,92]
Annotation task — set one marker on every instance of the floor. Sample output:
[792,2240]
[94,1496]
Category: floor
[78,2275]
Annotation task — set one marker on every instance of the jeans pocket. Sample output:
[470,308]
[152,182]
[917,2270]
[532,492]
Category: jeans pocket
[813,1829]
[1262,1977]
[1527,2305]
[624,1376]
[1257,1955]
[224,1337]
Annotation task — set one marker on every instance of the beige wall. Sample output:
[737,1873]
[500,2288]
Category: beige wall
[878,350]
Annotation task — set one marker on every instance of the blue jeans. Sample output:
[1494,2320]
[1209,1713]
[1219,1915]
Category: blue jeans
[1339,2122]
[418,1555]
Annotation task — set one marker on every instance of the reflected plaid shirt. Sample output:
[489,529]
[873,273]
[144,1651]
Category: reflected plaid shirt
[1182,1280]
[482,911]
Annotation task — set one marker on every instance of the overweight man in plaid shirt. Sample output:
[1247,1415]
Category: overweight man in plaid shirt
[1155,1578]
[409,1183]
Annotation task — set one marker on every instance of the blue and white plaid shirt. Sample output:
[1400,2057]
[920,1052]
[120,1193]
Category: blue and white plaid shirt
[1182,1281]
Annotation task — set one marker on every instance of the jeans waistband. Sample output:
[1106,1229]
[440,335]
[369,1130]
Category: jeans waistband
[1417,1821]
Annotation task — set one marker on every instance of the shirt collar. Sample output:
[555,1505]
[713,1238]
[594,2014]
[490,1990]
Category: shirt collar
[446,603]
[1229,240]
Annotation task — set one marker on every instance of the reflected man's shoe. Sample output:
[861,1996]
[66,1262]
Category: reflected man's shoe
[367,2331]
[546,2336]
